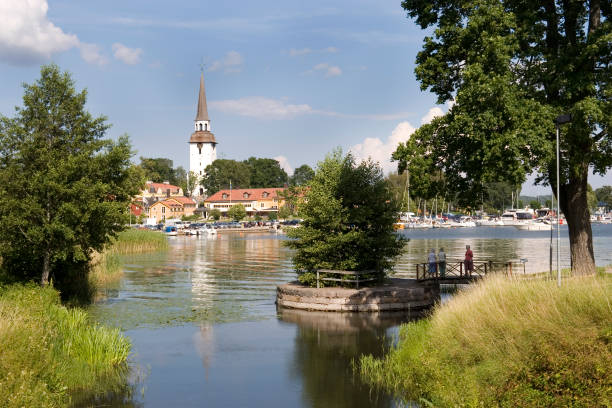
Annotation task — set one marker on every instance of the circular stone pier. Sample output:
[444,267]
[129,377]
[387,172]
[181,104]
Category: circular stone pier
[395,294]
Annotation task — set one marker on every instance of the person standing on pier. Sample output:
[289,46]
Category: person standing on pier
[432,262]
[469,260]
[442,262]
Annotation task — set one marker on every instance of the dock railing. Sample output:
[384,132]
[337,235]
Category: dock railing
[455,269]
[355,277]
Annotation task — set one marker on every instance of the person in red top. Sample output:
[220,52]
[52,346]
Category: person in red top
[469,260]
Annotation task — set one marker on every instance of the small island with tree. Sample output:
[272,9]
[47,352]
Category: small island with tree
[346,239]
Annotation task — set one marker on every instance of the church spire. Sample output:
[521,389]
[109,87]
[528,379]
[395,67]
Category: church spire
[202,109]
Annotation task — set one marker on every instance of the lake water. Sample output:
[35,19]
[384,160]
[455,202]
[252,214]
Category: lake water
[206,332]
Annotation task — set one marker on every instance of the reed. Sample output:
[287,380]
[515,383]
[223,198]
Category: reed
[507,342]
[48,352]
[133,241]
[106,267]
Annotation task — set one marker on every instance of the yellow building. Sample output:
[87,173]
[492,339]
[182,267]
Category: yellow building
[262,201]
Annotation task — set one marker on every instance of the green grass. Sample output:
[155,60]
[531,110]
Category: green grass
[133,241]
[507,342]
[106,268]
[49,352]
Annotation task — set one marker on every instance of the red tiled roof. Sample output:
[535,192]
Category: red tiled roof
[238,194]
[162,186]
[183,200]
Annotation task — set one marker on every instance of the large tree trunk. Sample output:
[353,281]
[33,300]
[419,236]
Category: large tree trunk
[575,207]
[44,280]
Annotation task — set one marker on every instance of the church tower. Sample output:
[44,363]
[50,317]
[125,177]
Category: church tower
[202,144]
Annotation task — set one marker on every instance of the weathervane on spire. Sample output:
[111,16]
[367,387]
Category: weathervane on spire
[202,65]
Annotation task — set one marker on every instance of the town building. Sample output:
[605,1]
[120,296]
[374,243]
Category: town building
[256,201]
[170,208]
[202,143]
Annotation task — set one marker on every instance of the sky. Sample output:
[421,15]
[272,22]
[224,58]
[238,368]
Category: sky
[286,79]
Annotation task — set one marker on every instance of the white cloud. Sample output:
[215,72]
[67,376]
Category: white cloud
[431,114]
[284,163]
[231,62]
[379,151]
[91,54]
[294,52]
[261,107]
[26,34]
[130,56]
[303,51]
[329,70]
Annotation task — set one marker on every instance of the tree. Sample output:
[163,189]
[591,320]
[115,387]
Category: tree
[511,67]
[534,204]
[215,214]
[266,173]
[188,181]
[158,170]
[348,220]
[284,212]
[272,216]
[302,175]
[604,195]
[64,189]
[221,172]
[236,212]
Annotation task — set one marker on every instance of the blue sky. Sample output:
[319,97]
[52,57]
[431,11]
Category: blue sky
[285,79]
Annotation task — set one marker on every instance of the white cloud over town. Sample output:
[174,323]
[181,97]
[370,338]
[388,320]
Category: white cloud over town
[431,114]
[296,52]
[379,151]
[231,62]
[26,34]
[284,163]
[91,54]
[127,55]
[261,107]
[327,69]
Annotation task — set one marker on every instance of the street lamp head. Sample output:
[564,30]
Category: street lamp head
[561,119]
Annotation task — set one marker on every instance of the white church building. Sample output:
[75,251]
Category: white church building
[202,143]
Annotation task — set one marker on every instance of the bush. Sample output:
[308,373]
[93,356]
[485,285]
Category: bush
[215,214]
[507,343]
[236,212]
[348,218]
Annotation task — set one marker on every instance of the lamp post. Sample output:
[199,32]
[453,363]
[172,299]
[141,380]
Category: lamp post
[561,119]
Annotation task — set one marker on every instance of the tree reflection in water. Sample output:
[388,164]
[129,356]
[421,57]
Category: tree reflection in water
[327,344]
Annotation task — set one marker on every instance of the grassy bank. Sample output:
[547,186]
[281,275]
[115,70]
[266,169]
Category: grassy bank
[106,267]
[513,343]
[48,352]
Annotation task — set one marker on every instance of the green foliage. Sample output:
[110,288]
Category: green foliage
[529,344]
[284,212]
[604,194]
[591,199]
[348,219]
[188,181]
[47,352]
[237,212]
[222,171]
[159,170]
[64,189]
[535,204]
[302,175]
[215,214]
[511,67]
[266,173]
[272,216]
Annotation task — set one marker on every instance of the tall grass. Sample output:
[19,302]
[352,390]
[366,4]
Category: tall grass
[48,352]
[508,343]
[134,241]
[106,267]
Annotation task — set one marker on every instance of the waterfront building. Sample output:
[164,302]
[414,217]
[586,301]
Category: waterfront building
[262,201]
[174,207]
[202,143]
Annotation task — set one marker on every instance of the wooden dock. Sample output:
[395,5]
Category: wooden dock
[455,272]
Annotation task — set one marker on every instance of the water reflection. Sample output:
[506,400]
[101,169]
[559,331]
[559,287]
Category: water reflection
[202,320]
[327,344]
